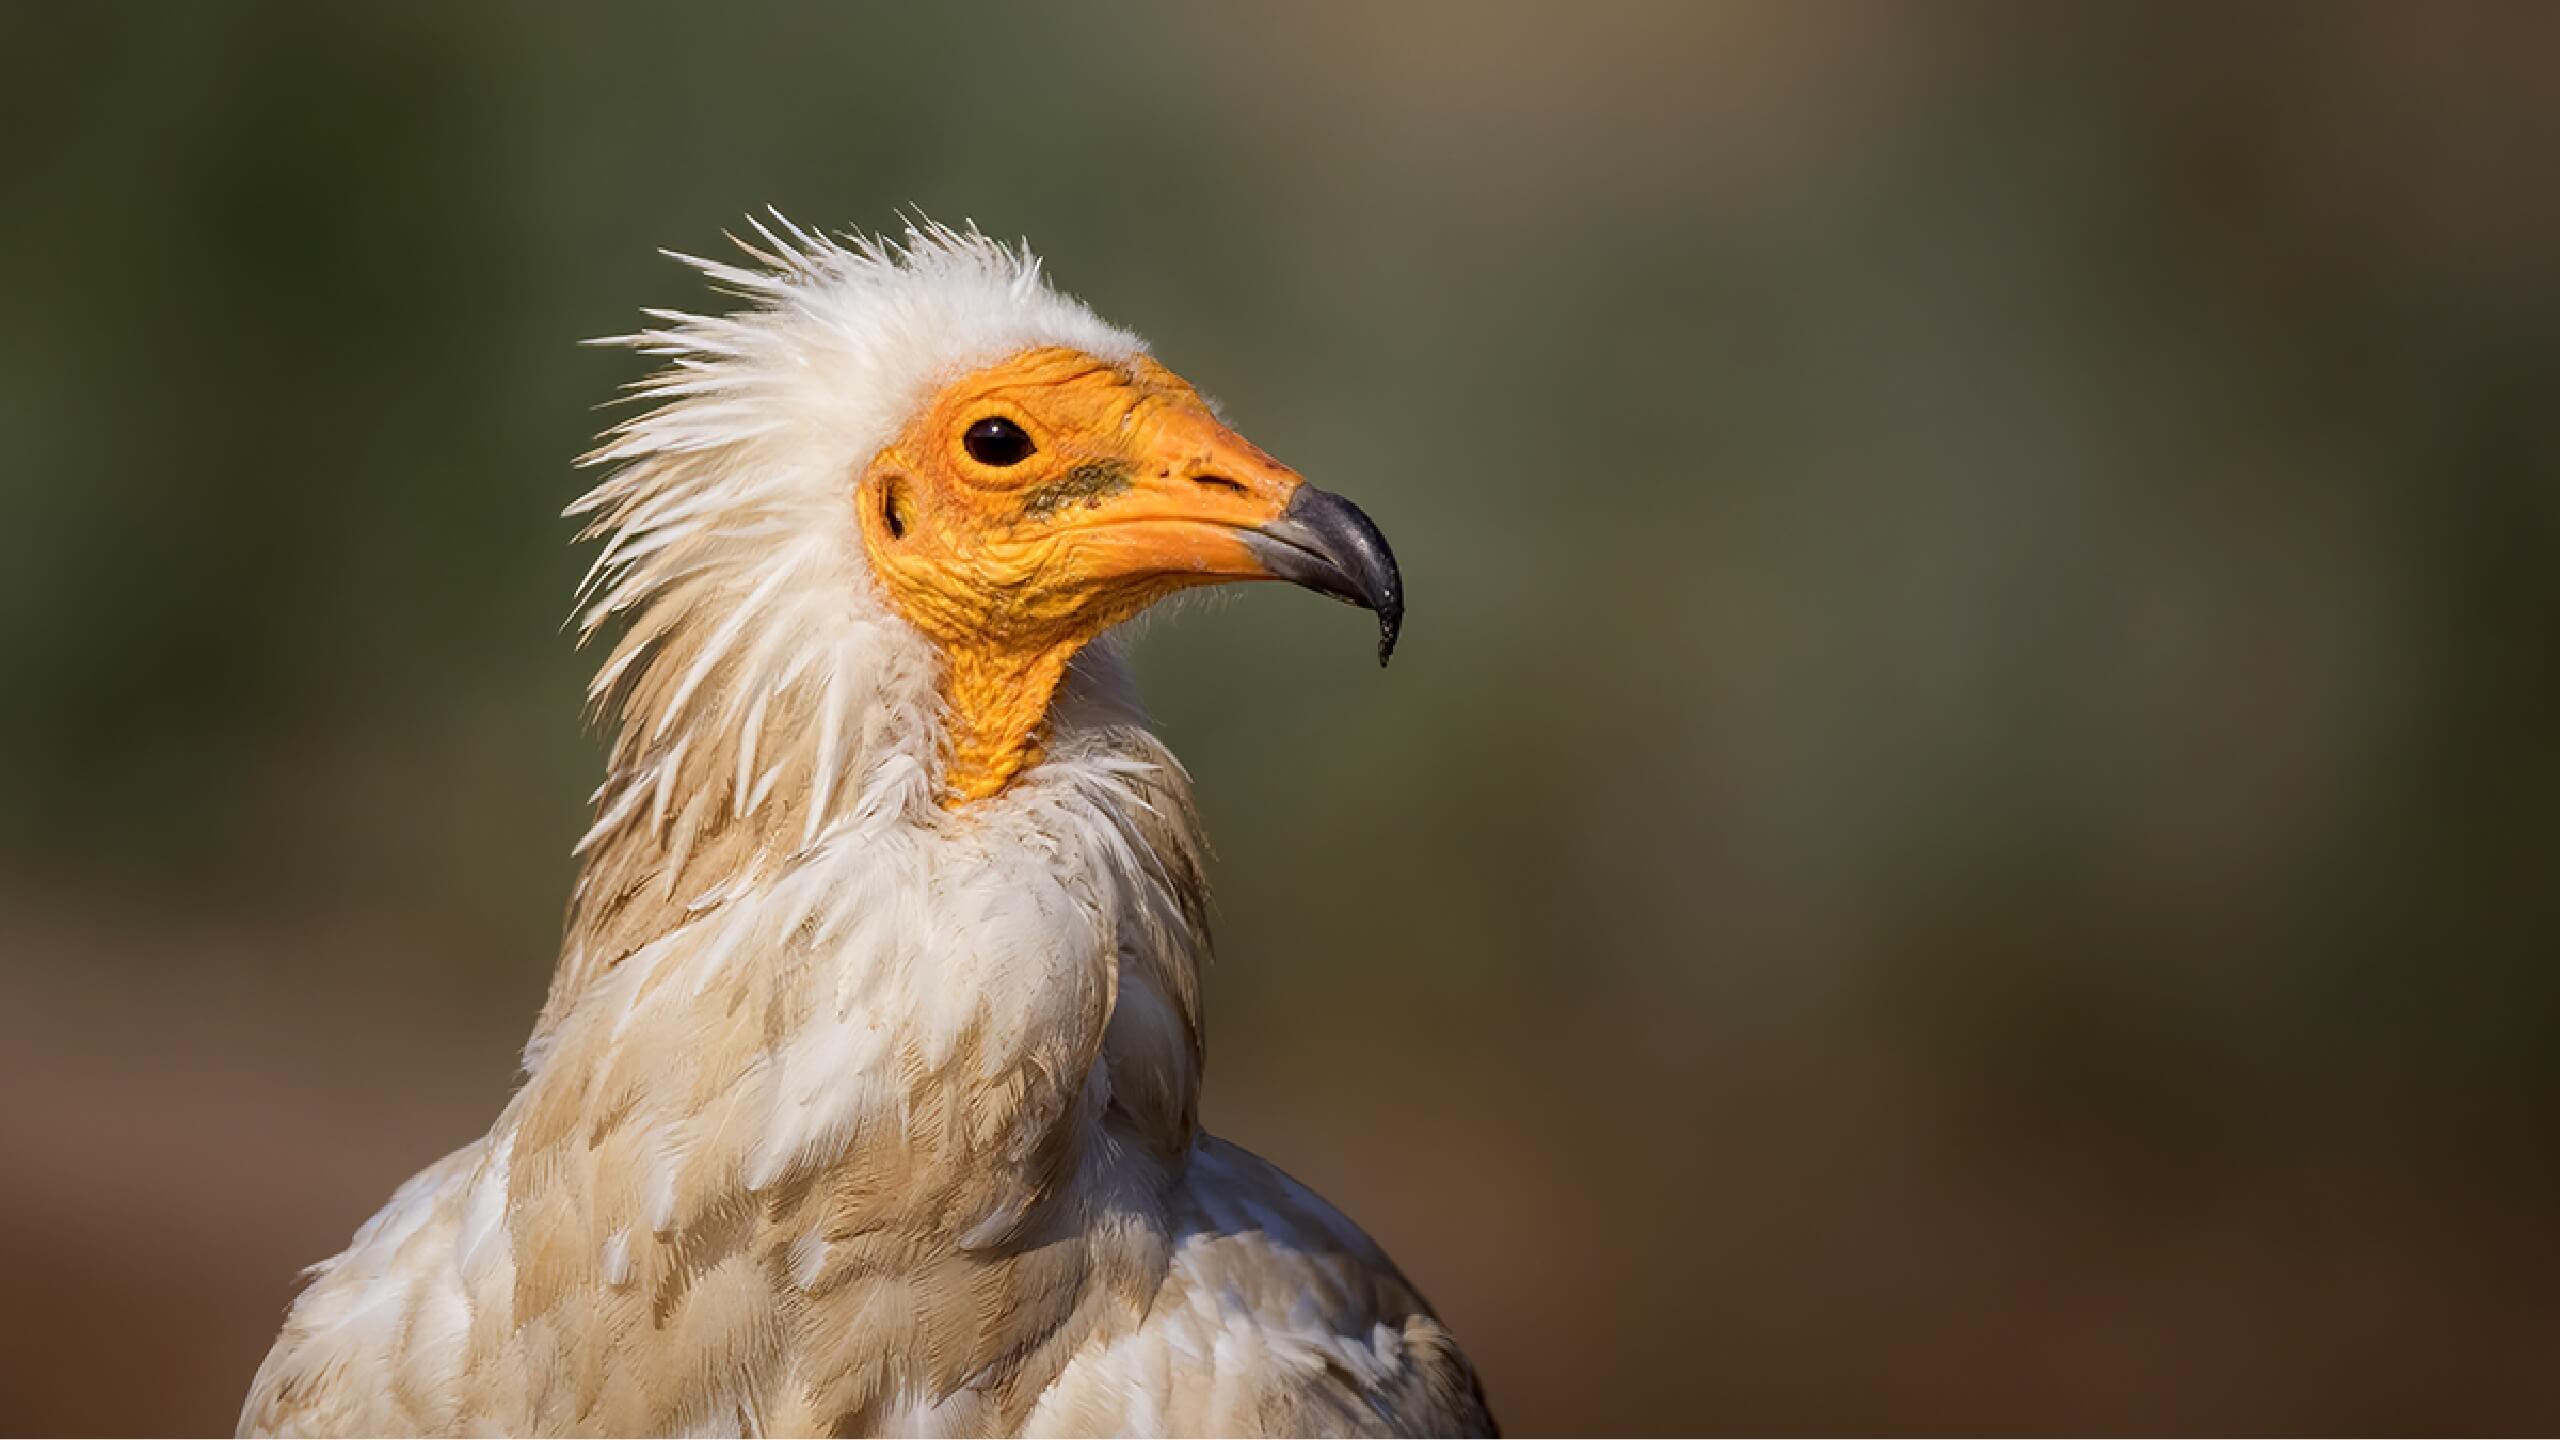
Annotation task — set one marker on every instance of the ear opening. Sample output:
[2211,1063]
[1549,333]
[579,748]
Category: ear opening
[893,505]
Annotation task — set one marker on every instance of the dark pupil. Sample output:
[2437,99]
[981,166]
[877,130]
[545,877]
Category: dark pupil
[997,441]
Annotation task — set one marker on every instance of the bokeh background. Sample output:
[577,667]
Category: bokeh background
[1966,835]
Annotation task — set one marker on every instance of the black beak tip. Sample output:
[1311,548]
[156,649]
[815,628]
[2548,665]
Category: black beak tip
[1326,544]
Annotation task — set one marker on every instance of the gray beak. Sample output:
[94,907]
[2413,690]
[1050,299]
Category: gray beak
[1323,542]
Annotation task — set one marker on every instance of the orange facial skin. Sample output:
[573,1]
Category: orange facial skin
[1130,490]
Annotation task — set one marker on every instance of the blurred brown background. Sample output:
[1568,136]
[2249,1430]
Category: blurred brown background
[1964,837]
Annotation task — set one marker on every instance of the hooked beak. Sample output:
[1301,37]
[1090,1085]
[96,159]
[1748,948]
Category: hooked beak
[1201,504]
[1325,543]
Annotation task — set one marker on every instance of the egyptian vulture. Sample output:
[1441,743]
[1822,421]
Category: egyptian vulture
[866,1096]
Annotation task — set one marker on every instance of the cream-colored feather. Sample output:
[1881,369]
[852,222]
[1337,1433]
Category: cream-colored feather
[849,1113]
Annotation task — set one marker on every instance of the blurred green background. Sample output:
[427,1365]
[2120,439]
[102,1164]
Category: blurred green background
[1966,835]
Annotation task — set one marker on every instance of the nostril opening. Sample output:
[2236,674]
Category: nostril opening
[1218,482]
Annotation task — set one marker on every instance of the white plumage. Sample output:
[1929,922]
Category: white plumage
[855,1107]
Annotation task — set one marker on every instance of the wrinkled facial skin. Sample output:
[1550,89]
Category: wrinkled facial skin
[1131,490]
[1041,500]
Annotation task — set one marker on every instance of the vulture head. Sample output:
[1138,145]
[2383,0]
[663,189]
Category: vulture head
[877,514]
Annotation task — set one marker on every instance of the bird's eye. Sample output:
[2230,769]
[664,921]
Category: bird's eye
[997,441]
